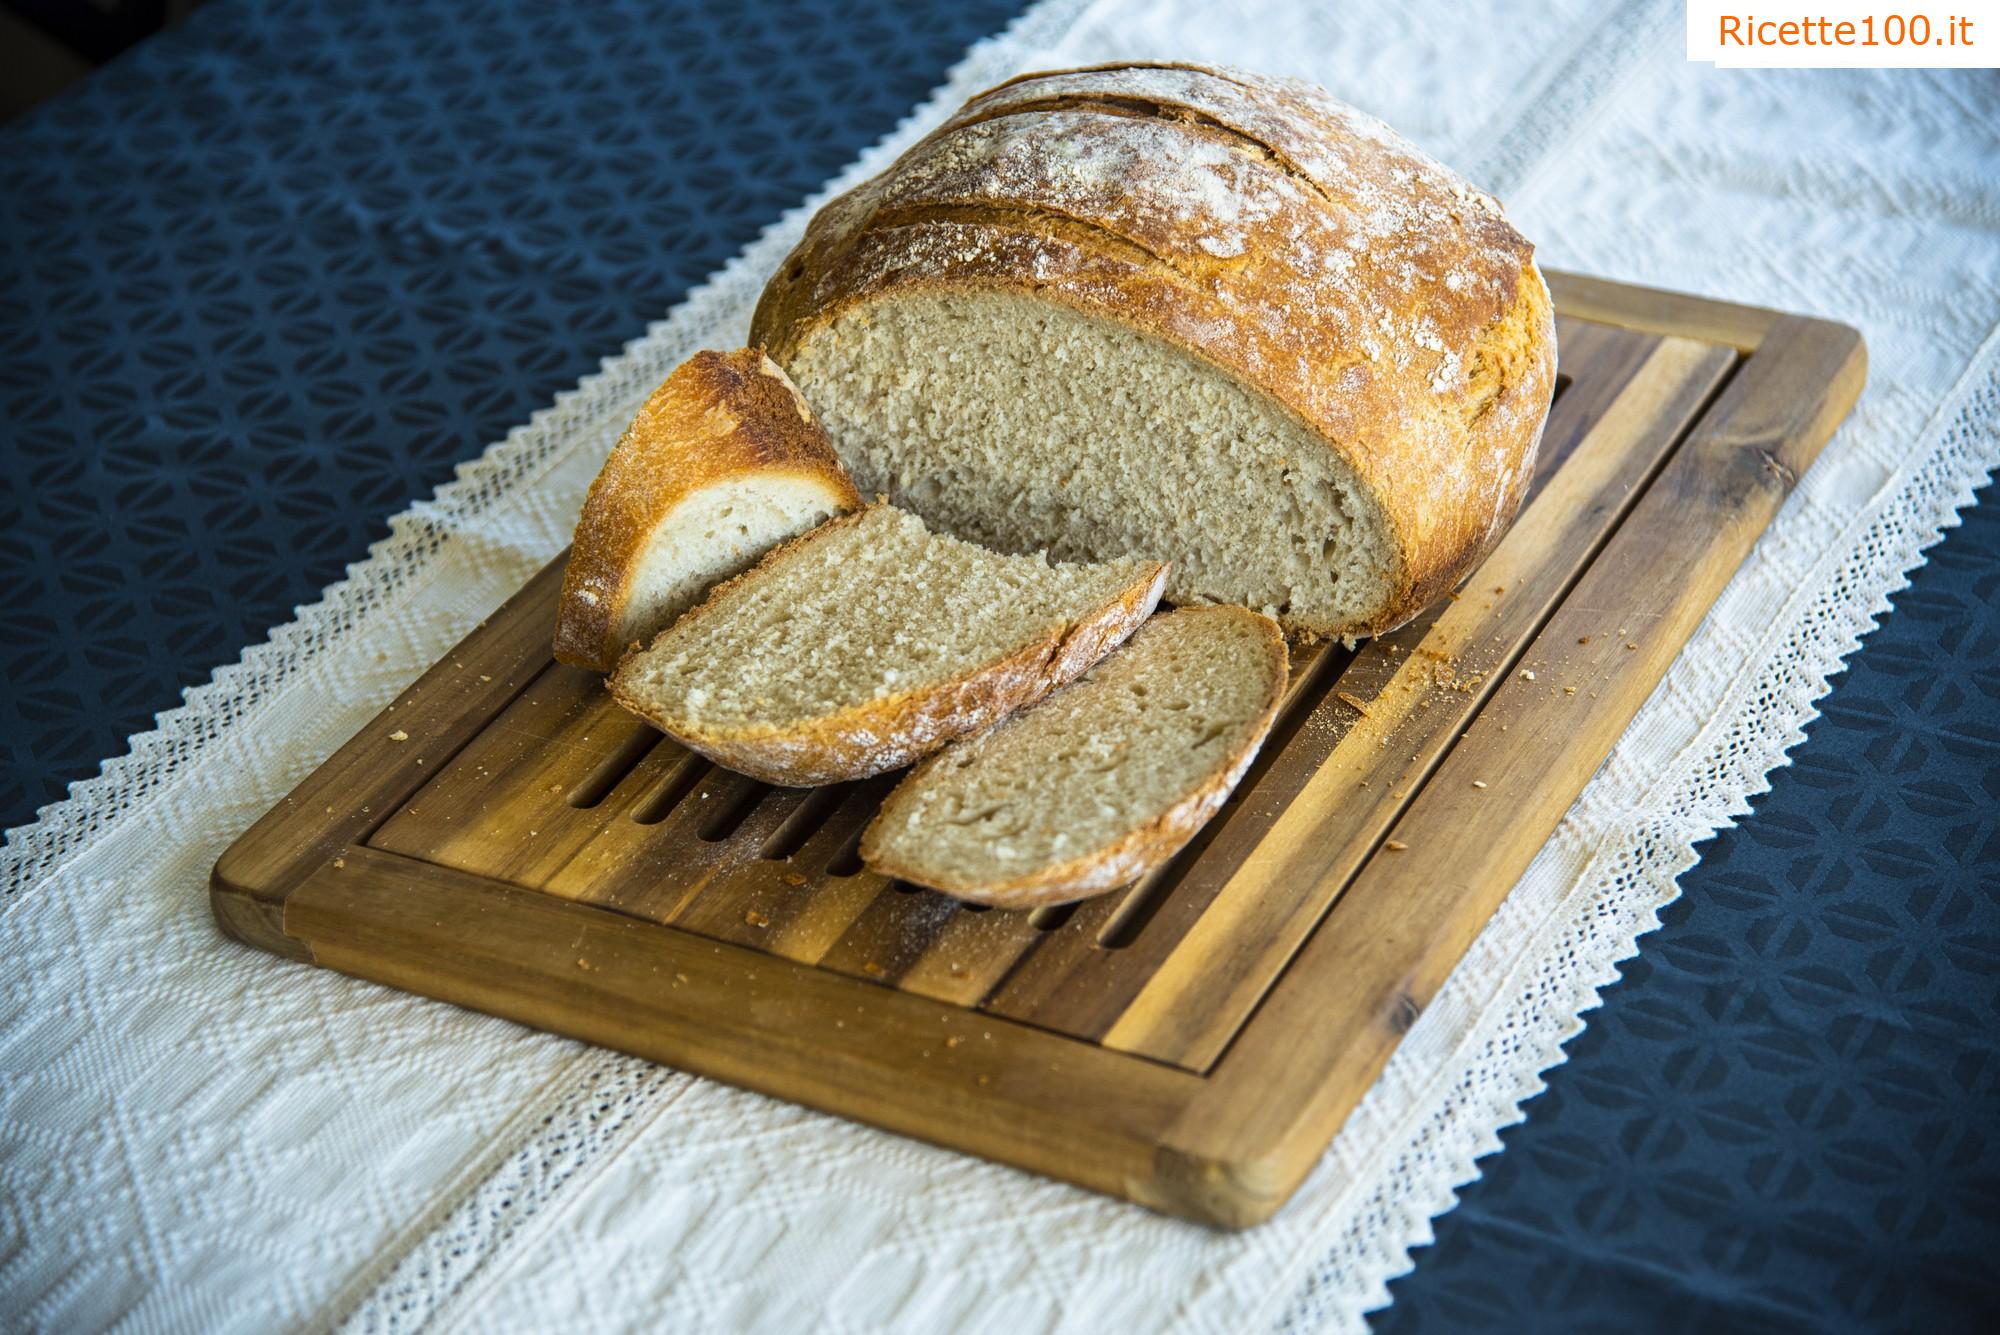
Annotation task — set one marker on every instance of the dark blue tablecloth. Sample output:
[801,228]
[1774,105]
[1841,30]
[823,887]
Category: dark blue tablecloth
[269,276]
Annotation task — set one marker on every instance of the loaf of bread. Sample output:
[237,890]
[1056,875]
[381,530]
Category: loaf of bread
[1190,314]
[871,642]
[1101,782]
[724,462]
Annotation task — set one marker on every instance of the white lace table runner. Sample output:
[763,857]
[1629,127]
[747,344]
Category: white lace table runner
[196,1136]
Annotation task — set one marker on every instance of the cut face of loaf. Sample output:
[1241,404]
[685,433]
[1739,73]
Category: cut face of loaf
[872,642]
[1098,784]
[1025,425]
[722,463]
[1199,315]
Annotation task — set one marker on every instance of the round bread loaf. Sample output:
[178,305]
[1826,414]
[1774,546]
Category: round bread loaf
[1190,314]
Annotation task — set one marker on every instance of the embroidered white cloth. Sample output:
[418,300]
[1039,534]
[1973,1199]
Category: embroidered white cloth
[195,1136]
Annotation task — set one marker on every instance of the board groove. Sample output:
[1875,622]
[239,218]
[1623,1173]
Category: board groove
[1190,1042]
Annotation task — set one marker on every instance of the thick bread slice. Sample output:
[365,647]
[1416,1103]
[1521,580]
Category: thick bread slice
[1196,314]
[723,463]
[1101,782]
[871,642]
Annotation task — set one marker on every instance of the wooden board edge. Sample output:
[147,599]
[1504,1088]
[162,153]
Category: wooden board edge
[1227,1190]
[1800,334]
[1655,310]
[252,914]
[1009,1092]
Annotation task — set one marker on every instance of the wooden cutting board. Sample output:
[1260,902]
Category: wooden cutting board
[506,838]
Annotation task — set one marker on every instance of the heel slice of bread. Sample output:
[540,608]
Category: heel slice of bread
[1098,784]
[724,462]
[870,643]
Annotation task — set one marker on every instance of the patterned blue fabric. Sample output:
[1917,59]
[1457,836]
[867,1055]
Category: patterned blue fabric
[268,277]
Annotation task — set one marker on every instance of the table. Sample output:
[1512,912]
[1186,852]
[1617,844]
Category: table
[271,275]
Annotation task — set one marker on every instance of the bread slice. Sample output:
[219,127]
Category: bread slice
[871,642]
[723,463]
[1101,782]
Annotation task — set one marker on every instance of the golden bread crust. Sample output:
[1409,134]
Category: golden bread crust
[719,417]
